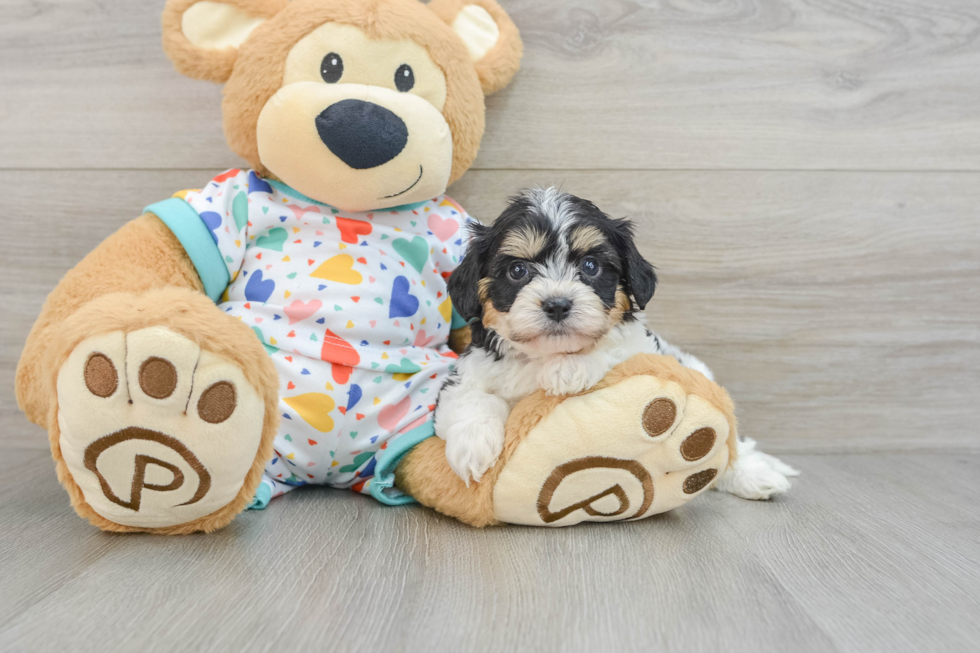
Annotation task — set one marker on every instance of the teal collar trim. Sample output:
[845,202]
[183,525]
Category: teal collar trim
[292,192]
[406,207]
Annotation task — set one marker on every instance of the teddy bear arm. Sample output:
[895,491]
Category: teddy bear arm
[646,439]
[143,255]
[425,475]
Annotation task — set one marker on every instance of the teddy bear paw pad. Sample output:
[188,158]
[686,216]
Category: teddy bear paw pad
[634,449]
[154,430]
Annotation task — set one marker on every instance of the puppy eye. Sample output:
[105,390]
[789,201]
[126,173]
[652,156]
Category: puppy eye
[517,271]
[590,267]
[332,68]
[404,78]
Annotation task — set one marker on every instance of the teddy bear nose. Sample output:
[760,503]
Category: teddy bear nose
[362,134]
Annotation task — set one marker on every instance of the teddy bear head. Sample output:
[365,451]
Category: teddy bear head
[359,104]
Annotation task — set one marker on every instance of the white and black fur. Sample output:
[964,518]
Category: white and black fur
[553,289]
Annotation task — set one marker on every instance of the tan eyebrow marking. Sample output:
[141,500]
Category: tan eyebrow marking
[524,243]
[585,238]
[483,288]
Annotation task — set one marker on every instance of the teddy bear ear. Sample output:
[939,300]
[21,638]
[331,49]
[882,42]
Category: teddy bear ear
[490,36]
[202,37]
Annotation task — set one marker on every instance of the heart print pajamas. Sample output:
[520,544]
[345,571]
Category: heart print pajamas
[352,308]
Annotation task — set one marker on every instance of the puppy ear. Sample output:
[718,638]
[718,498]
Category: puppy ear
[202,37]
[464,282]
[638,277]
[490,36]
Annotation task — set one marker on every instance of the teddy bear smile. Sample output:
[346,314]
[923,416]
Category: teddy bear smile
[414,183]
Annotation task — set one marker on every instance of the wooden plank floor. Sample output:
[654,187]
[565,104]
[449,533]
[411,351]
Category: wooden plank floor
[871,552]
[806,176]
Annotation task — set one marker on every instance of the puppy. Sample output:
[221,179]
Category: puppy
[553,289]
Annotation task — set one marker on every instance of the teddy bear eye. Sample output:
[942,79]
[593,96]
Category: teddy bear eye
[332,68]
[404,78]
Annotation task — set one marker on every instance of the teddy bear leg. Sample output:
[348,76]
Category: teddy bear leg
[160,408]
[648,438]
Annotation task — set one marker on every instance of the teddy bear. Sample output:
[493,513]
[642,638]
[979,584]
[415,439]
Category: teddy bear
[289,324]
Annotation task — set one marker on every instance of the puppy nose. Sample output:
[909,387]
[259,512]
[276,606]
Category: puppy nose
[557,308]
[362,134]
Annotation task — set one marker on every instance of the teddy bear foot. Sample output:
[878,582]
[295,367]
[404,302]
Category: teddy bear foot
[647,439]
[637,447]
[155,433]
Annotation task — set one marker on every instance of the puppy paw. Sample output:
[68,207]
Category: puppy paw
[780,466]
[472,447]
[755,475]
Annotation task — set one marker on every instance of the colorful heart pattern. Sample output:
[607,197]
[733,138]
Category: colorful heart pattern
[350,230]
[337,350]
[257,185]
[258,289]
[299,311]
[403,370]
[273,239]
[403,303]
[442,228]
[353,310]
[392,415]
[422,339]
[339,268]
[415,252]
[213,222]
[314,408]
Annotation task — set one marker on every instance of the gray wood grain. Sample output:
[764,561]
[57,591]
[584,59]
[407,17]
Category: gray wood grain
[645,84]
[868,553]
[839,309]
